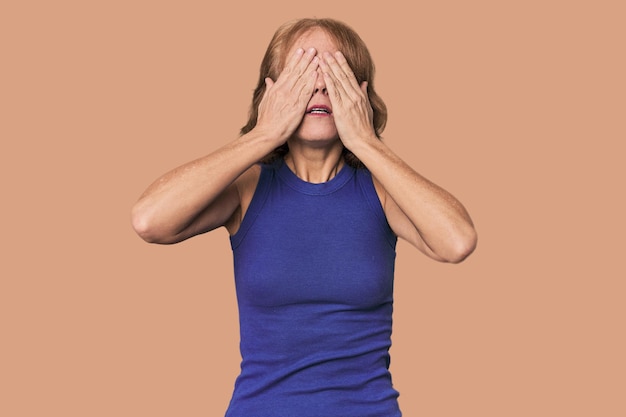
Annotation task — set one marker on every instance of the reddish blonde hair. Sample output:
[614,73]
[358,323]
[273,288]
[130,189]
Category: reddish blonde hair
[347,41]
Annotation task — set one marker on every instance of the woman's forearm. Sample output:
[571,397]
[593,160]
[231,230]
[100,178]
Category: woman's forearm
[438,217]
[200,195]
[172,203]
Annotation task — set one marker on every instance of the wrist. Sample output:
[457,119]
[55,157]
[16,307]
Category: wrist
[362,143]
[265,137]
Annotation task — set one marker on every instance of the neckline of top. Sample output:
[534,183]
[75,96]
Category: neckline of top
[335,183]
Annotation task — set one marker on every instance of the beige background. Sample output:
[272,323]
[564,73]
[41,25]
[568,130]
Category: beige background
[517,108]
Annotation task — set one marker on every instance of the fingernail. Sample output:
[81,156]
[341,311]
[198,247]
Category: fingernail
[299,51]
[311,50]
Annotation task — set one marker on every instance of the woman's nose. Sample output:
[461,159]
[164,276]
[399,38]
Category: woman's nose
[320,85]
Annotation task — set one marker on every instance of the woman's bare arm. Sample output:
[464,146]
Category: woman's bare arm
[199,196]
[206,193]
[419,211]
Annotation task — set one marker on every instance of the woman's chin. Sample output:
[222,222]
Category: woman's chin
[316,136]
[317,129]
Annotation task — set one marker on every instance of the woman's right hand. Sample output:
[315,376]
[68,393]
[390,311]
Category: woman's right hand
[284,103]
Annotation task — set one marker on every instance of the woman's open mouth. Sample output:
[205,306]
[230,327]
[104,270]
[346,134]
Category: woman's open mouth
[319,110]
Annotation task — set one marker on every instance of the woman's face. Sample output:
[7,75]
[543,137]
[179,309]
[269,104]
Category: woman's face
[318,126]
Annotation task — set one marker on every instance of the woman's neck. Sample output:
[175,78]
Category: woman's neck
[315,165]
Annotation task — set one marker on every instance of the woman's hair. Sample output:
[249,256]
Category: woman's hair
[347,41]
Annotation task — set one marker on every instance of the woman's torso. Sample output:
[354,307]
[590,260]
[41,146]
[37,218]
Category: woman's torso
[314,270]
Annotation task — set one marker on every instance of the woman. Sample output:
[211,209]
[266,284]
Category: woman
[314,203]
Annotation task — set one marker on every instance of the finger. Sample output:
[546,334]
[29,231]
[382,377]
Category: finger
[364,86]
[307,67]
[343,83]
[330,81]
[366,97]
[293,60]
[332,71]
[307,58]
[307,82]
[299,64]
[341,69]
[345,67]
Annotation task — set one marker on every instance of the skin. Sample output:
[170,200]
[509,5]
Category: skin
[216,190]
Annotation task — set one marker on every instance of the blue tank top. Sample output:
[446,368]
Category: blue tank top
[314,266]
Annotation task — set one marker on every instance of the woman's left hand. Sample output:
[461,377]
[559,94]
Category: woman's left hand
[352,110]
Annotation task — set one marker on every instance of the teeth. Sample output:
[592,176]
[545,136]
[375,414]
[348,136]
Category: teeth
[319,111]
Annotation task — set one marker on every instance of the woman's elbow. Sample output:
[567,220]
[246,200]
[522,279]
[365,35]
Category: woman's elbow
[145,226]
[463,246]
